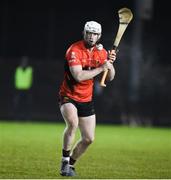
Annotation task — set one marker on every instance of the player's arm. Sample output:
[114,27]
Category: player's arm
[111,74]
[81,75]
[111,59]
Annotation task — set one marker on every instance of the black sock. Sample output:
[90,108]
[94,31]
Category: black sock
[65,153]
[72,161]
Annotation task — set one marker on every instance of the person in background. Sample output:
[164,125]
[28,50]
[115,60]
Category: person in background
[85,59]
[23,80]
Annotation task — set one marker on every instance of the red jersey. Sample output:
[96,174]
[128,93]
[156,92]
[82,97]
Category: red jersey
[78,54]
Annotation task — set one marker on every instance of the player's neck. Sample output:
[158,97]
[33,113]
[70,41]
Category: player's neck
[89,47]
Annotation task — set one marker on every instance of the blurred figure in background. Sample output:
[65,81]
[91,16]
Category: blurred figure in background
[23,80]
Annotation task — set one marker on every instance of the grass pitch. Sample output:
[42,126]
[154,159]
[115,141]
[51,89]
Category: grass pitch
[33,150]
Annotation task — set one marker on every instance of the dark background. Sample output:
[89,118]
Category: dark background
[140,93]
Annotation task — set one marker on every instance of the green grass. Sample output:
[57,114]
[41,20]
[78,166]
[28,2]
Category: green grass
[33,150]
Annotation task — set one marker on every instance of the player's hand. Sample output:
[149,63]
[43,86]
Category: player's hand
[107,65]
[112,55]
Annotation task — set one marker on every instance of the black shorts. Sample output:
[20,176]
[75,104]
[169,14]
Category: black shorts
[84,108]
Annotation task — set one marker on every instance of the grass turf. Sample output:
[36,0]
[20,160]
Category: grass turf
[33,150]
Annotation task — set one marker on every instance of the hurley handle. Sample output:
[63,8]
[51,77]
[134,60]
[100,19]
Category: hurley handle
[102,82]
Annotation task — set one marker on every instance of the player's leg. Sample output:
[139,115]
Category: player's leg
[87,129]
[69,113]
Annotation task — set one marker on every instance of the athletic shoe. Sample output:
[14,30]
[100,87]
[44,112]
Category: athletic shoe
[71,171]
[66,169]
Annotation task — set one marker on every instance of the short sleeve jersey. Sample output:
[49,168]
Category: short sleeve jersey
[78,54]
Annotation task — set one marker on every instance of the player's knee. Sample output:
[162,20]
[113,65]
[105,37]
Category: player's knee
[72,127]
[88,140]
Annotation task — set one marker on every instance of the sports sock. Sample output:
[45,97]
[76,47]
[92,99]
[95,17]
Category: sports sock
[72,161]
[65,155]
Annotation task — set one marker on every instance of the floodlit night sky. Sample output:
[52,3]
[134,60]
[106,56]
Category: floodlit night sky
[45,29]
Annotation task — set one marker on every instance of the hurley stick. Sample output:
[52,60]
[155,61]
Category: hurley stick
[125,16]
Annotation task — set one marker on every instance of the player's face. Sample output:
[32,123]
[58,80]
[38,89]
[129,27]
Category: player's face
[91,38]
